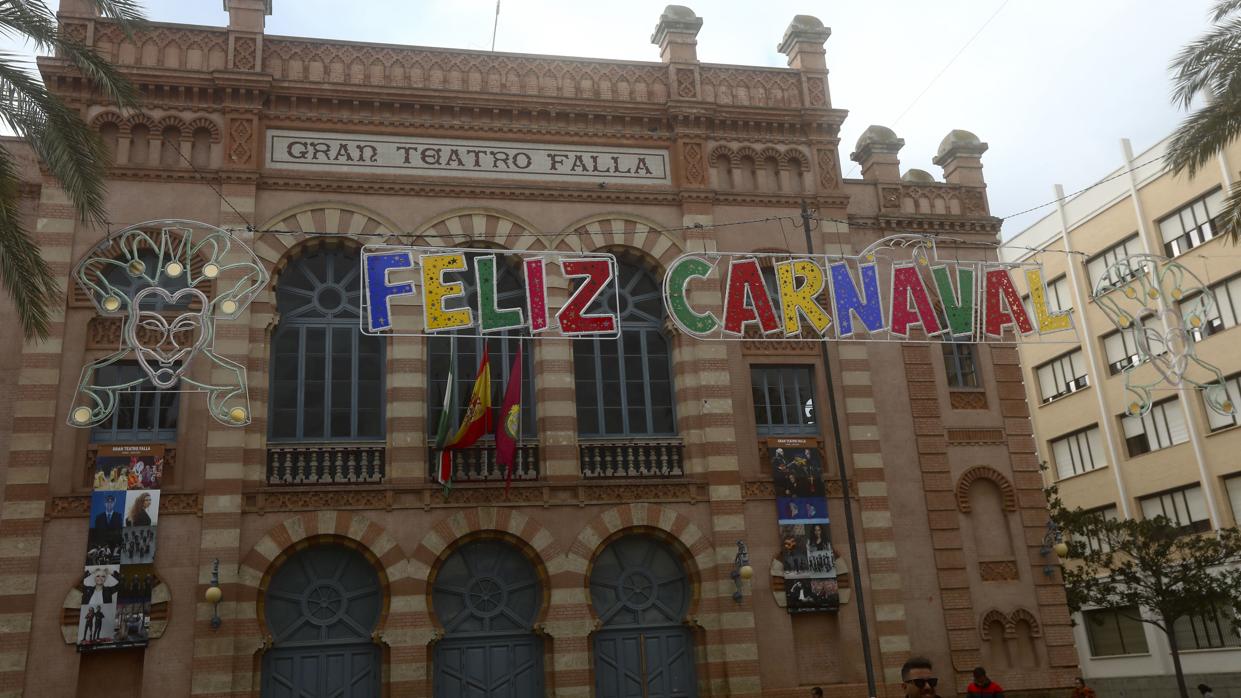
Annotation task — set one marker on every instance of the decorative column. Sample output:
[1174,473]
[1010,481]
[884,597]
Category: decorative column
[36,416]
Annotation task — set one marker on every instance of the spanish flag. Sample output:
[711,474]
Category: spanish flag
[478,417]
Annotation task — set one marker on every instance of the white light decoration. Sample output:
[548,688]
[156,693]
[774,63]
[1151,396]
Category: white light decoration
[168,327]
[1143,295]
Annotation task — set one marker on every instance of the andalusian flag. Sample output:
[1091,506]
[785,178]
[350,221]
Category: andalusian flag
[478,418]
[508,431]
[444,474]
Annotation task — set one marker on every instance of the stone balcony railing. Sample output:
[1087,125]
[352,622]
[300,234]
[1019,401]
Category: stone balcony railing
[326,463]
[478,464]
[631,458]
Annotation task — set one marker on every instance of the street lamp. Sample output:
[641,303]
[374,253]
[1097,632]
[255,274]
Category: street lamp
[1053,540]
[741,569]
[214,594]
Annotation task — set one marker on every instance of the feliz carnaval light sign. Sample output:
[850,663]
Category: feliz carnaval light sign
[844,297]
[803,296]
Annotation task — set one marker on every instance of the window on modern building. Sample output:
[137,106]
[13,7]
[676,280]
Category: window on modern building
[1115,631]
[1059,295]
[1217,421]
[1107,513]
[1104,269]
[1212,629]
[501,348]
[1232,485]
[327,378]
[960,365]
[624,385]
[1079,452]
[142,413]
[1121,349]
[1161,427]
[1192,224]
[783,399]
[1062,375]
[1185,507]
[1225,312]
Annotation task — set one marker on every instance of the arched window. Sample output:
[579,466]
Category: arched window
[501,347]
[641,594]
[322,607]
[139,144]
[624,385]
[326,376]
[992,539]
[170,147]
[110,134]
[486,596]
[200,150]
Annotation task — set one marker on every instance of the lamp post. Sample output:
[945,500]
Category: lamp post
[1053,540]
[837,439]
[741,569]
[214,594]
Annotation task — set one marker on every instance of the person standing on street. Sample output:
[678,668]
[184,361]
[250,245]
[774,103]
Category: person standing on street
[983,686]
[1081,690]
[918,678]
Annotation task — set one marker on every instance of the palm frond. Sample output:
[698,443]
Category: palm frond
[1207,64]
[1203,133]
[125,11]
[1229,219]
[1223,8]
[39,26]
[73,153]
[24,273]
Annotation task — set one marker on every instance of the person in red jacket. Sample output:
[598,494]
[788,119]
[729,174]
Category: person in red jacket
[1081,690]
[983,686]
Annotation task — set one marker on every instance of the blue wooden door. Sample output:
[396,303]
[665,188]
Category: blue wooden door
[640,593]
[487,595]
[322,607]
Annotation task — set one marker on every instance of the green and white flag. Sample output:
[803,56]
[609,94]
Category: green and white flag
[445,430]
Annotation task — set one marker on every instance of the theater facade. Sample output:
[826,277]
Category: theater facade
[652,465]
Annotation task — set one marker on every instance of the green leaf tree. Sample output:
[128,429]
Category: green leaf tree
[1166,571]
[1210,68]
[67,147]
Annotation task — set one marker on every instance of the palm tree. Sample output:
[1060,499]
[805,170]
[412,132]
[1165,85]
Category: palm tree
[70,151]
[1210,67]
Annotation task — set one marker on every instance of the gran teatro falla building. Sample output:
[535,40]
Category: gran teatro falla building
[606,569]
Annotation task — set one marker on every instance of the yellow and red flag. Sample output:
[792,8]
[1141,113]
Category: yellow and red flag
[478,417]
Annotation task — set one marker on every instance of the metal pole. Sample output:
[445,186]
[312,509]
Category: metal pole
[856,569]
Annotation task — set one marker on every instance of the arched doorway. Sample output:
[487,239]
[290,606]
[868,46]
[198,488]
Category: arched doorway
[641,593]
[486,596]
[322,606]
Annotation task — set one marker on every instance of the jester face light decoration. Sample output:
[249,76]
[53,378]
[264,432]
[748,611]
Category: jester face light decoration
[168,282]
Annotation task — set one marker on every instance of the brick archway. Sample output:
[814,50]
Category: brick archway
[985,473]
[371,539]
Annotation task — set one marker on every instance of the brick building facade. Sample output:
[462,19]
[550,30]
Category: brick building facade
[944,476]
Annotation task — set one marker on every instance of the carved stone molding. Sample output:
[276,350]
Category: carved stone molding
[826,160]
[245,52]
[241,141]
[998,571]
[975,437]
[967,400]
[686,87]
[72,506]
[694,168]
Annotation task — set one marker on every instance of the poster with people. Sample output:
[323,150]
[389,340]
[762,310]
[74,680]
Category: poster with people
[119,575]
[805,528]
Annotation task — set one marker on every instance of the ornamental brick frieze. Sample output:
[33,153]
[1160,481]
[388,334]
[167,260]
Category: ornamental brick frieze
[164,47]
[751,87]
[375,184]
[427,497]
[170,503]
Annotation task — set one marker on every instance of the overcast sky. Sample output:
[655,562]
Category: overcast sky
[1051,85]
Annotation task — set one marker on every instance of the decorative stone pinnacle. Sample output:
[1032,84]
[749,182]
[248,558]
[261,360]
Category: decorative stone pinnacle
[958,143]
[676,19]
[876,140]
[804,29]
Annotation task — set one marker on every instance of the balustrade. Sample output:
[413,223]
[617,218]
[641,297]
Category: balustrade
[631,458]
[478,464]
[319,464]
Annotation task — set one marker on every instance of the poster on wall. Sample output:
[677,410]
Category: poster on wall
[119,574]
[805,527]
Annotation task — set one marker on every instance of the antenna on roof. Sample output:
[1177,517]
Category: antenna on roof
[495,26]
